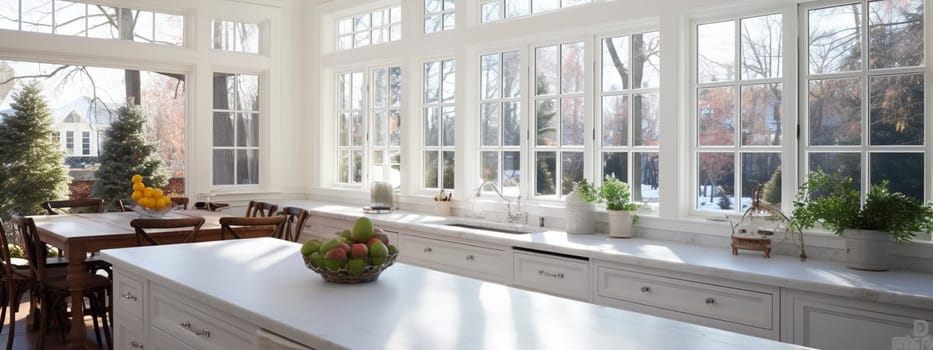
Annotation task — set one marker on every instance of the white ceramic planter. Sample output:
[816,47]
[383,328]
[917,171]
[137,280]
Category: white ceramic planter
[866,249]
[621,223]
[580,215]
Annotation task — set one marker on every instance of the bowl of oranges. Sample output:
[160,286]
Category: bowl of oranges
[150,202]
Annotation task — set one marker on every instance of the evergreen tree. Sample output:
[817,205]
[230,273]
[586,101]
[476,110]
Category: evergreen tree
[127,152]
[771,193]
[32,167]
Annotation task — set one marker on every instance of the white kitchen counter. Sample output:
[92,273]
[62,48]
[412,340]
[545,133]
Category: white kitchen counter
[895,287]
[265,282]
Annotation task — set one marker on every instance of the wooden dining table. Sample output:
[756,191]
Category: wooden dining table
[80,234]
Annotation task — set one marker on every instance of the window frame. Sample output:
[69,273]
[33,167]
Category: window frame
[260,42]
[444,12]
[352,33]
[260,148]
[521,101]
[440,105]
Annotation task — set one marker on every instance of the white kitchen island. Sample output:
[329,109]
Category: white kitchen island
[220,295]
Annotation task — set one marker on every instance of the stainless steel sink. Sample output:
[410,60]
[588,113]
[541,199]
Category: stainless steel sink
[475,227]
[501,227]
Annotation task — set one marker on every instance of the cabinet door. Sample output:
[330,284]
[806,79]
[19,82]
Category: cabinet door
[128,335]
[162,341]
[833,323]
[464,259]
[567,277]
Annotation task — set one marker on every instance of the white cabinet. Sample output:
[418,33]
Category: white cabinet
[830,322]
[734,306]
[196,324]
[554,274]
[323,227]
[465,259]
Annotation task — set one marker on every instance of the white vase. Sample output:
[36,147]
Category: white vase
[579,215]
[621,223]
[867,249]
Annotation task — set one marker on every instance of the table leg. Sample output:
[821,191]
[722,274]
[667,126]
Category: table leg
[77,278]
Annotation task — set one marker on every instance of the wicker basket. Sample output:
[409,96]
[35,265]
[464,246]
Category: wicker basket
[370,272]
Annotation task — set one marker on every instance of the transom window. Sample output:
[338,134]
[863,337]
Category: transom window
[371,28]
[496,10]
[864,78]
[559,118]
[500,120]
[438,127]
[739,71]
[92,21]
[629,114]
[236,129]
[439,15]
[235,36]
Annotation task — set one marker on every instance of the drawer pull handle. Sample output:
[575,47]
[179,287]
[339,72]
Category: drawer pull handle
[186,324]
[427,250]
[559,275]
[136,345]
[470,258]
[203,333]
[645,289]
[710,301]
[129,296]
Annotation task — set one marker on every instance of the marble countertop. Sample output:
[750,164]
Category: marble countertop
[408,307]
[896,287]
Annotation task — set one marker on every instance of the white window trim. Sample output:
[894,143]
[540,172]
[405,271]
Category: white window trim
[440,148]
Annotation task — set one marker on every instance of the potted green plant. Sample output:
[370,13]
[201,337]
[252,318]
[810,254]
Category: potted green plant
[618,198]
[580,210]
[833,201]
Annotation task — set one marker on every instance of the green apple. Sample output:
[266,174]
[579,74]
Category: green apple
[378,252]
[362,230]
[393,249]
[329,245]
[356,266]
[317,260]
[311,246]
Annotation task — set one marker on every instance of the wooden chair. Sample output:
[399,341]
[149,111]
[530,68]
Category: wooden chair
[261,209]
[89,205]
[141,225]
[52,291]
[274,224]
[122,204]
[180,202]
[15,281]
[212,206]
[295,222]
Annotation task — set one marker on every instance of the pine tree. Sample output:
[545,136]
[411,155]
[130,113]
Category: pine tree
[32,167]
[771,193]
[126,152]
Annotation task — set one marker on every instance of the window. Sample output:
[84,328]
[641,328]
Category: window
[350,132]
[501,120]
[386,126]
[738,110]
[865,93]
[236,129]
[439,15]
[92,21]
[558,125]
[629,118]
[86,143]
[57,138]
[69,143]
[495,10]
[371,28]
[235,36]
[439,118]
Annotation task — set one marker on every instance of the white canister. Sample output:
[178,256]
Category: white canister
[580,215]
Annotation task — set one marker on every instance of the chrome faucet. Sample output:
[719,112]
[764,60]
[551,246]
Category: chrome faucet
[514,216]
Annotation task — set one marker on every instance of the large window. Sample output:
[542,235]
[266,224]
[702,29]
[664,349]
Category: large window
[85,143]
[386,126]
[92,21]
[370,28]
[235,36]
[738,111]
[350,133]
[864,82]
[495,10]
[236,129]
[439,15]
[629,114]
[559,118]
[438,127]
[500,120]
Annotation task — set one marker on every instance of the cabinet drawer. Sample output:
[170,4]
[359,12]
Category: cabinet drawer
[551,274]
[486,263]
[203,329]
[733,305]
[128,335]
[128,298]
[162,341]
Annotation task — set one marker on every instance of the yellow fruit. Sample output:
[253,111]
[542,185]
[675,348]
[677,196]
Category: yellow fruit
[157,193]
[138,186]
[145,202]
[147,192]
[137,195]
[165,202]
[137,179]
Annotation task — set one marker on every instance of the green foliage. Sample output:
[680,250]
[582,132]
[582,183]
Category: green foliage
[617,195]
[834,201]
[723,202]
[32,167]
[771,193]
[126,152]
[586,191]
